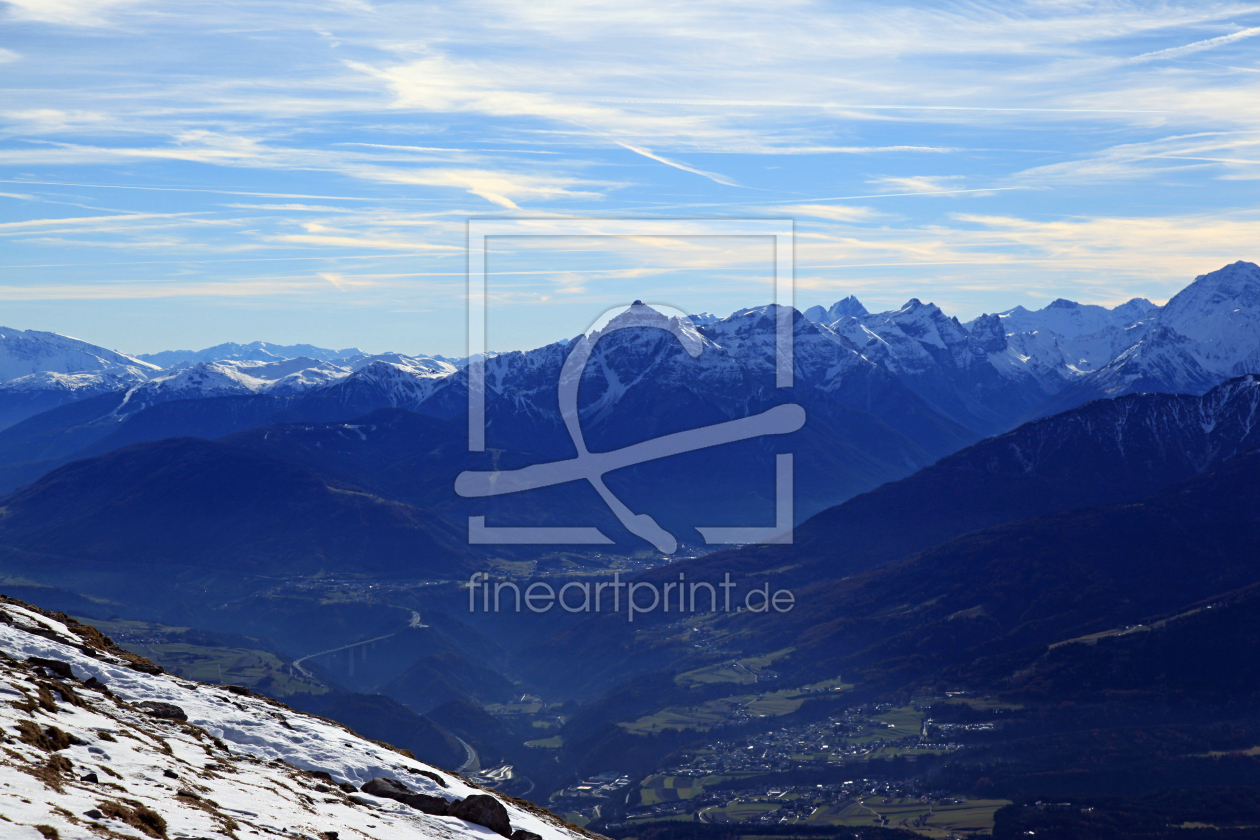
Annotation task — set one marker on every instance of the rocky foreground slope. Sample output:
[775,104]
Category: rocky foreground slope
[96,742]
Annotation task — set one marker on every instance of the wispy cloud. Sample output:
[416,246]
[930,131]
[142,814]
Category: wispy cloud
[924,184]
[320,234]
[648,153]
[358,136]
[71,12]
[338,280]
[1197,46]
[830,212]
[94,222]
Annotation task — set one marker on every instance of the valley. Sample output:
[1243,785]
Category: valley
[991,605]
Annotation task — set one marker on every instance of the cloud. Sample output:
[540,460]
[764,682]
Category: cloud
[1234,152]
[1062,253]
[71,12]
[8,56]
[500,187]
[648,153]
[919,183]
[50,120]
[830,212]
[320,234]
[338,280]
[133,290]
[92,222]
[1197,46]
[301,208]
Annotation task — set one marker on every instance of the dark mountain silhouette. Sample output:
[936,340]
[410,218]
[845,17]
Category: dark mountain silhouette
[982,605]
[1105,451]
[440,677]
[189,502]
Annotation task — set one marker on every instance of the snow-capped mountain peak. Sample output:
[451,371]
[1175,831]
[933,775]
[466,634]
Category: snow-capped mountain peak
[850,307]
[1072,320]
[1220,311]
[42,370]
[26,352]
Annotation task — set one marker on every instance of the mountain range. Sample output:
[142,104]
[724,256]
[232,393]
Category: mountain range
[885,394]
[954,534]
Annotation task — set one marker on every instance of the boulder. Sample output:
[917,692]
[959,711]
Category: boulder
[96,685]
[165,711]
[61,669]
[396,790]
[522,834]
[435,805]
[482,809]
[386,788]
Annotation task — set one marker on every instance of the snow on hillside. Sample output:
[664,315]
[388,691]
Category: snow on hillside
[73,385]
[99,743]
[281,378]
[42,370]
[422,366]
[1207,333]
[1075,320]
[1220,312]
[215,379]
[27,352]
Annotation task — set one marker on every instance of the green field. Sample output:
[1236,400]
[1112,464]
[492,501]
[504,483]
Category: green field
[973,816]
[739,672]
[906,722]
[738,811]
[530,708]
[704,716]
[683,817]
[555,742]
[258,669]
[982,704]
[658,789]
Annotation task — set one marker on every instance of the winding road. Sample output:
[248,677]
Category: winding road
[471,762]
[416,623]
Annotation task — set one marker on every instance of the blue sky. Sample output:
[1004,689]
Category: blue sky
[175,175]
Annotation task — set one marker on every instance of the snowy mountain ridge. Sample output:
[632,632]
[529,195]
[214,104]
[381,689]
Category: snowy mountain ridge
[1206,333]
[986,375]
[255,351]
[1157,429]
[27,352]
[99,742]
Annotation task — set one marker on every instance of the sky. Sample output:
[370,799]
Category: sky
[177,175]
